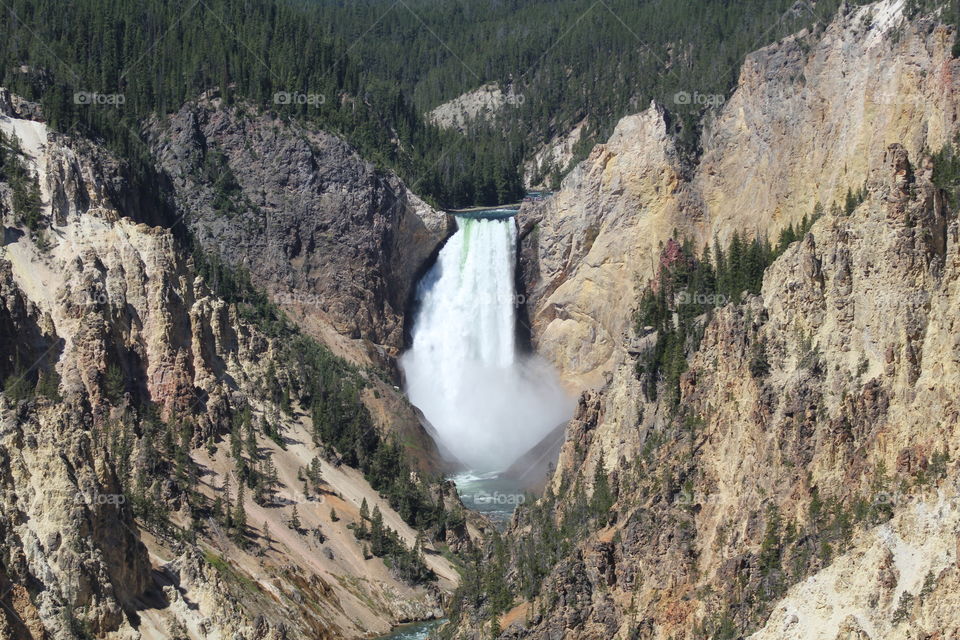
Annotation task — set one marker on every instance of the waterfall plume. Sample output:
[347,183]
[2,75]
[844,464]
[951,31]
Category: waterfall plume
[488,404]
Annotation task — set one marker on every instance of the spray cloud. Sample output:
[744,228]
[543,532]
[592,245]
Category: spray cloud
[487,403]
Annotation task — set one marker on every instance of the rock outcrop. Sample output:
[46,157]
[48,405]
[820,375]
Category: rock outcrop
[804,484]
[583,249]
[337,244]
[127,385]
[321,230]
[809,118]
[553,158]
[482,104]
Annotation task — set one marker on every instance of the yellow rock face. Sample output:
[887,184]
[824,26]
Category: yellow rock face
[810,118]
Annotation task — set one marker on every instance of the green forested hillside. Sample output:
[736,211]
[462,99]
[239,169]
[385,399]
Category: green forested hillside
[568,59]
[379,64]
[156,54]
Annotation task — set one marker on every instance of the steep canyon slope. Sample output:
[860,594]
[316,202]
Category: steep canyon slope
[809,117]
[336,243]
[802,485]
[315,224]
[168,468]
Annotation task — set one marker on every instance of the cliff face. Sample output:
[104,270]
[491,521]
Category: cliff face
[128,383]
[813,496]
[323,231]
[812,114]
[58,532]
[583,249]
[337,244]
[809,118]
[825,481]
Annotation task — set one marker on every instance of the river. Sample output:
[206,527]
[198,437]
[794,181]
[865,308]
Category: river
[413,631]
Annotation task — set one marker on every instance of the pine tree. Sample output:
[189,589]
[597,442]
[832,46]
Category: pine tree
[115,384]
[48,384]
[376,533]
[364,510]
[251,444]
[770,549]
[236,444]
[818,211]
[850,203]
[754,266]
[494,580]
[295,519]
[216,511]
[259,490]
[721,271]
[706,276]
[787,237]
[285,402]
[360,532]
[418,543]
[759,361]
[228,509]
[737,281]
[602,499]
[271,478]
[316,474]
[240,515]
[16,387]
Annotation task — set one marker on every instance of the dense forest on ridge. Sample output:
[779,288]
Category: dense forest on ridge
[369,70]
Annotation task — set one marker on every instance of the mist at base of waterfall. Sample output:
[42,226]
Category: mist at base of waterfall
[487,404]
[491,416]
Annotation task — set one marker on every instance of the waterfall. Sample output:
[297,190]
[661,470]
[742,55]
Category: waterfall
[487,404]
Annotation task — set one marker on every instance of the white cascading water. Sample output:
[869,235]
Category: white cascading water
[487,403]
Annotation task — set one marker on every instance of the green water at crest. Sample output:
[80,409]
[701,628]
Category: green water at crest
[467,224]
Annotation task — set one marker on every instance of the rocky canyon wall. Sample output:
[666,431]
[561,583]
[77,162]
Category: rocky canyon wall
[323,231]
[126,376]
[810,117]
[804,485]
